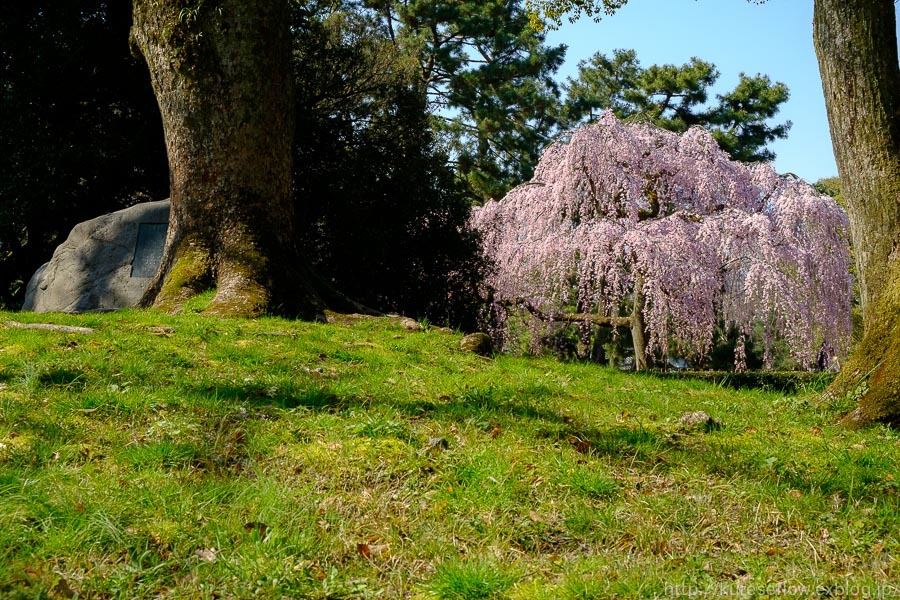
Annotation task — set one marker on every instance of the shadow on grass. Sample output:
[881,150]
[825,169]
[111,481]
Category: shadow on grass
[63,378]
[484,402]
[615,442]
[852,475]
[785,382]
[318,398]
[488,404]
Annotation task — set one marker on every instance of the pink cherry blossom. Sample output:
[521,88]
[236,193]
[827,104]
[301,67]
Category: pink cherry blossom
[709,240]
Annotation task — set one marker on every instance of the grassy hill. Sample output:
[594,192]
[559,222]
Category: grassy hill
[190,457]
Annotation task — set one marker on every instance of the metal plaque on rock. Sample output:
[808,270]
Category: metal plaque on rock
[148,249]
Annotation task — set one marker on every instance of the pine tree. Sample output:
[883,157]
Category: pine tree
[676,97]
[488,77]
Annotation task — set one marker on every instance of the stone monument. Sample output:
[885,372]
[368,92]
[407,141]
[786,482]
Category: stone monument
[105,263]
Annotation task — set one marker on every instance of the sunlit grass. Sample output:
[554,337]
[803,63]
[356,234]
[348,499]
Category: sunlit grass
[193,457]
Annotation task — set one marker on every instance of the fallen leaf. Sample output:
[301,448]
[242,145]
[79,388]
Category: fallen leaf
[364,550]
[581,445]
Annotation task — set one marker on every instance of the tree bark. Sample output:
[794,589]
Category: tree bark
[856,45]
[638,337]
[222,76]
[595,319]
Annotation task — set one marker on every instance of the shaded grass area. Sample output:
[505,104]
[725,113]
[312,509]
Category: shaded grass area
[270,458]
[790,382]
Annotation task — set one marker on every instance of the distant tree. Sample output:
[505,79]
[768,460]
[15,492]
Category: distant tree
[380,211]
[80,133]
[675,98]
[831,186]
[488,76]
[631,225]
[739,121]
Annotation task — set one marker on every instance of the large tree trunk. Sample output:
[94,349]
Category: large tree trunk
[222,76]
[856,44]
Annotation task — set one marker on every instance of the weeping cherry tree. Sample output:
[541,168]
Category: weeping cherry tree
[631,225]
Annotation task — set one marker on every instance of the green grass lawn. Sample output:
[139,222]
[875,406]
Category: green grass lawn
[191,457]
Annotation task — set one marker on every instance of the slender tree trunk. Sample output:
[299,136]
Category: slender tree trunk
[638,337]
[222,77]
[856,45]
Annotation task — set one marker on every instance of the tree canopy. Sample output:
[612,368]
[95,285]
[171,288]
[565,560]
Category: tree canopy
[488,76]
[675,98]
[381,212]
[629,218]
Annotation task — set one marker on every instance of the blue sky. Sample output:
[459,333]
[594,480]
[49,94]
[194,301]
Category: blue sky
[774,38]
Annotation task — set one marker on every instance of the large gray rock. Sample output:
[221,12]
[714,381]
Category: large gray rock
[102,265]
